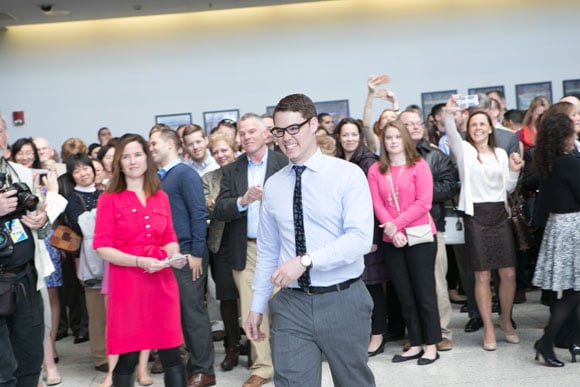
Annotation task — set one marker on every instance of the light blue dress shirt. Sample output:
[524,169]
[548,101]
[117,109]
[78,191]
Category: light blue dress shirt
[338,222]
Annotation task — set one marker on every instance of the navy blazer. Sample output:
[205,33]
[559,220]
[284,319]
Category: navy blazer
[234,184]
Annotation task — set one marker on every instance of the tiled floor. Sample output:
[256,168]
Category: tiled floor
[466,364]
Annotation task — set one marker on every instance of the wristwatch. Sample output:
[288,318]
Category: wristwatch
[306,261]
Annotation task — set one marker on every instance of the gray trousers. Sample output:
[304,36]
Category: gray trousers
[305,326]
[195,320]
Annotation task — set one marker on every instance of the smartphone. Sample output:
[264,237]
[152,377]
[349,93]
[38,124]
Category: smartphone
[466,101]
[39,173]
[380,93]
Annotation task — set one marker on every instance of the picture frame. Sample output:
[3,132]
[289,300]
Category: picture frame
[571,87]
[526,92]
[338,109]
[173,120]
[485,89]
[432,98]
[212,118]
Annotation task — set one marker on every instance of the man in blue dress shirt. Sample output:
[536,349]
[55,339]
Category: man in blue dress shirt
[330,313]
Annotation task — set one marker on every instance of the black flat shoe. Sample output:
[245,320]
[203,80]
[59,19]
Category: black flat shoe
[400,358]
[380,349]
[425,361]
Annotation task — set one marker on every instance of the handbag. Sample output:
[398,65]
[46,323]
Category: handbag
[454,227]
[8,293]
[64,238]
[415,234]
[521,232]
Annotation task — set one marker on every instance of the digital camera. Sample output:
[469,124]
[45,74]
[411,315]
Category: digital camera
[27,201]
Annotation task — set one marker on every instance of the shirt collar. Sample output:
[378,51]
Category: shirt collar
[262,162]
[314,163]
[171,165]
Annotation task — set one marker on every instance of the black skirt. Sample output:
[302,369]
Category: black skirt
[489,240]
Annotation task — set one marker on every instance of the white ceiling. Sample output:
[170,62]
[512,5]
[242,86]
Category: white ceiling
[20,12]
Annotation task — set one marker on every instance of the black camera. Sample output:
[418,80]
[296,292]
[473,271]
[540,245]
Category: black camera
[27,201]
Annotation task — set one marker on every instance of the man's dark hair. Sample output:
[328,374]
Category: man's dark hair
[296,103]
[514,115]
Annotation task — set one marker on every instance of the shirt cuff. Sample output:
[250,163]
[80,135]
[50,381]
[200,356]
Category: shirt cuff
[240,207]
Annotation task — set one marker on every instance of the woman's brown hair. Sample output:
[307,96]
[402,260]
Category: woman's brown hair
[151,183]
[411,154]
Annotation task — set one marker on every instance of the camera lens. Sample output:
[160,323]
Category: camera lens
[4,239]
[28,200]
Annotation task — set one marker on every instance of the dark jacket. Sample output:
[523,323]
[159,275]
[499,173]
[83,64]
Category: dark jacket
[234,184]
[375,271]
[445,180]
[364,158]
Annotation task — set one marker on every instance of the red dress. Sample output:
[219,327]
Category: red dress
[142,309]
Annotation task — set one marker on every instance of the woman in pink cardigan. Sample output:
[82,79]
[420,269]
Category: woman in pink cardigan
[401,186]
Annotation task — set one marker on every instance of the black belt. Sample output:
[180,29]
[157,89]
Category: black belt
[252,239]
[327,289]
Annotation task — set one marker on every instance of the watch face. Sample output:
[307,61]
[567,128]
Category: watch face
[306,261]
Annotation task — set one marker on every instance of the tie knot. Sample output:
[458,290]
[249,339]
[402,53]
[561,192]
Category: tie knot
[162,172]
[298,169]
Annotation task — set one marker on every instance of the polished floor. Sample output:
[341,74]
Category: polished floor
[466,364]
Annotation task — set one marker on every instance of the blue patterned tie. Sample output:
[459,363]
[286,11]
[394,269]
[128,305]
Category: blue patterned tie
[299,237]
[162,172]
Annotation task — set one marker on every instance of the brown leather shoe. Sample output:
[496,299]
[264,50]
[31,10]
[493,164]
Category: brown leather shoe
[445,345]
[231,359]
[255,381]
[157,367]
[201,380]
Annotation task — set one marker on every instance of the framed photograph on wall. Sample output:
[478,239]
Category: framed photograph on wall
[173,120]
[211,119]
[571,87]
[526,92]
[484,90]
[338,109]
[432,98]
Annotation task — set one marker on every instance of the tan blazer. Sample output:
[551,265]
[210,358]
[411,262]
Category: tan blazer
[211,188]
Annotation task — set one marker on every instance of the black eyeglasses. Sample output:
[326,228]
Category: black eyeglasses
[291,129]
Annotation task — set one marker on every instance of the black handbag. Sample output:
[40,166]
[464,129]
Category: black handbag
[521,231]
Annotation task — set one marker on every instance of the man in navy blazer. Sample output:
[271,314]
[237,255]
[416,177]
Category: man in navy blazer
[238,204]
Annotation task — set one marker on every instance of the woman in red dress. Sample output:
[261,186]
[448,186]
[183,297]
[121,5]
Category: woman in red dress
[134,232]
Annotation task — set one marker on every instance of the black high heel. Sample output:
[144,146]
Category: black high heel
[574,350]
[548,360]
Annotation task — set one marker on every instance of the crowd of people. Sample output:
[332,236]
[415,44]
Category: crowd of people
[324,239]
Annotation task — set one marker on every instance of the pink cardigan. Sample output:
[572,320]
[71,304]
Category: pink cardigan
[415,185]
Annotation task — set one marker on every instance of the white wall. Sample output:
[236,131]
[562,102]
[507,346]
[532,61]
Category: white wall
[71,79]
